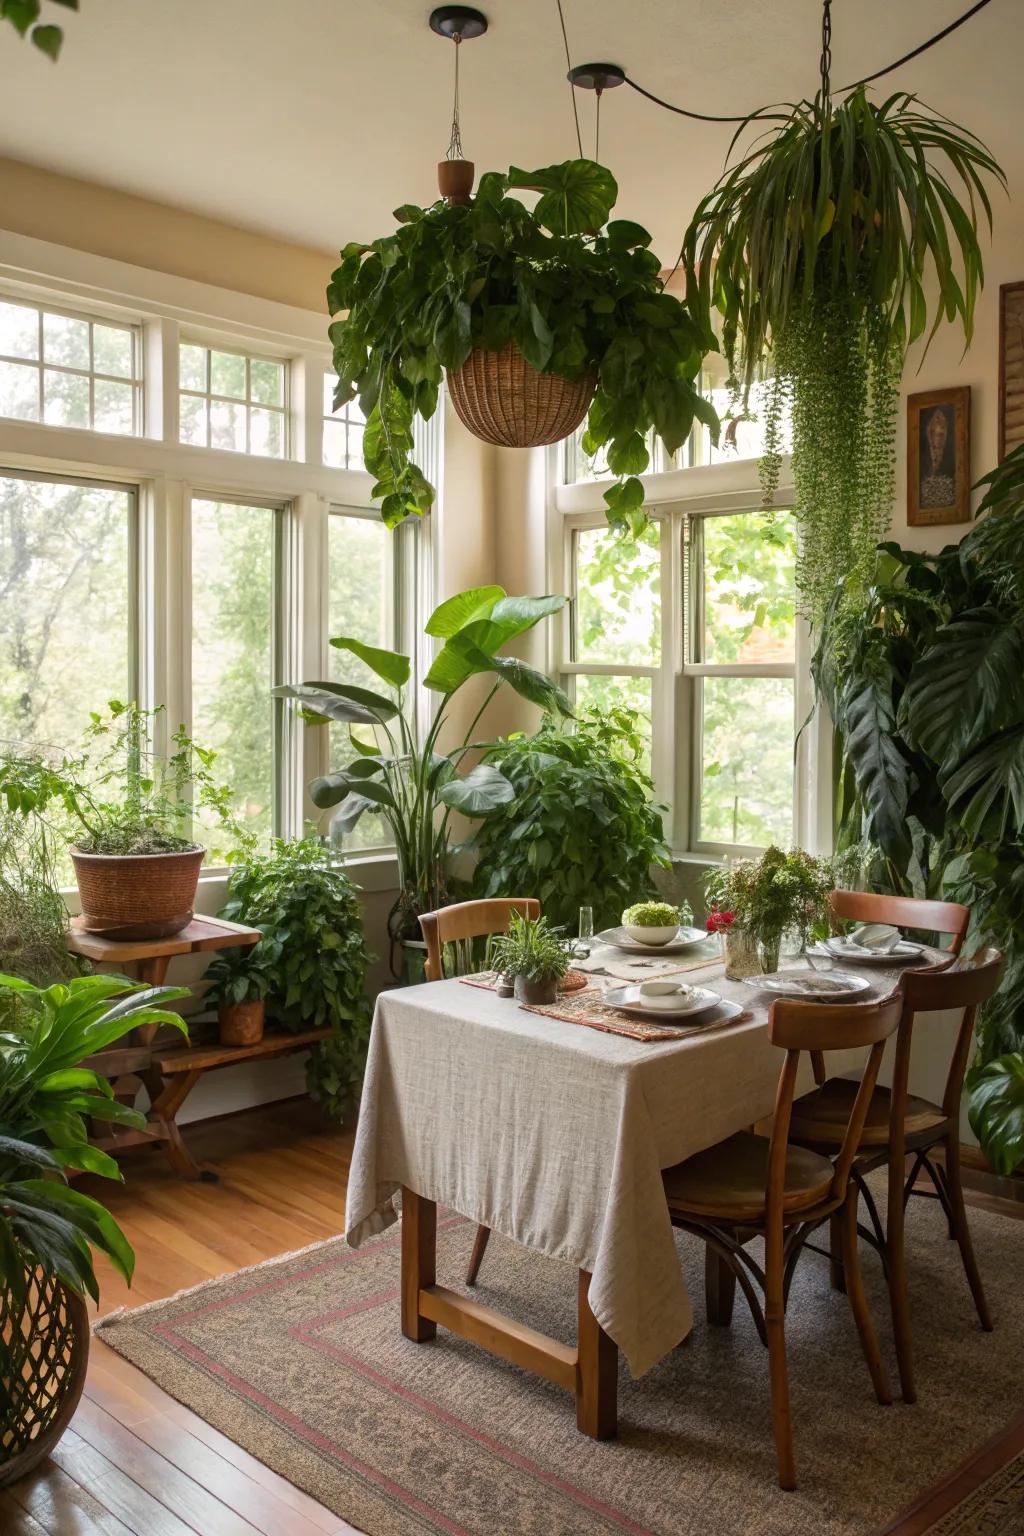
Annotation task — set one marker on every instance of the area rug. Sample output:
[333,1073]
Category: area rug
[301,1362]
[982,1497]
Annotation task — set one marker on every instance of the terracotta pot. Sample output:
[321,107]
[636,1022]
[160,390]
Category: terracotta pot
[137,896]
[503,399]
[48,1334]
[241,1023]
[455,180]
[536,992]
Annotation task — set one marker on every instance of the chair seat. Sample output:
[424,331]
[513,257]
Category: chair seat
[823,1115]
[728,1181]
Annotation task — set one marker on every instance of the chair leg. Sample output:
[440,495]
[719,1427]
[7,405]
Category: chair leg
[896,1273]
[719,1288]
[954,1188]
[859,1302]
[836,1276]
[778,1372]
[476,1257]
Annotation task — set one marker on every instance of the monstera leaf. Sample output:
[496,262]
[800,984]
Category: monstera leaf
[965,686]
[993,777]
[576,196]
[996,1110]
[482,791]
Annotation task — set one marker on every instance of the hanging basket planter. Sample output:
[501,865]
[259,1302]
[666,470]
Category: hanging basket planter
[503,399]
[41,1379]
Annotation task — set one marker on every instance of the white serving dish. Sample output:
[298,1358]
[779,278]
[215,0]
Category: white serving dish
[628,999]
[811,986]
[653,936]
[684,938]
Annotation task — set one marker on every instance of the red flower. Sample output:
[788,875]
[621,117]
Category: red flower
[718,920]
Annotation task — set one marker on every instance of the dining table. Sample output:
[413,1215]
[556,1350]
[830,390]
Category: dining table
[547,1128]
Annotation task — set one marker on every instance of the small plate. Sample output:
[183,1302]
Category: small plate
[812,986]
[618,938]
[902,952]
[627,998]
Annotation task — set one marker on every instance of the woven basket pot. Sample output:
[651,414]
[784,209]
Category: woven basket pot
[503,399]
[139,895]
[48,1341]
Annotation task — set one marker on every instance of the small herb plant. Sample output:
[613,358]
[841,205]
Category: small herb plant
[310,964]
[531,949]
[582,829]
[657,914]
[578,300]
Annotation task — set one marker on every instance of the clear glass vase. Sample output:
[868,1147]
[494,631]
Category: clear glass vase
[742,957]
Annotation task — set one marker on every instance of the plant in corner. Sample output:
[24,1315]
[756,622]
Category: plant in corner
[535,955]
[414,786]
[582,828]
[47,1229]
[310,965]
[815,250]
[544,293]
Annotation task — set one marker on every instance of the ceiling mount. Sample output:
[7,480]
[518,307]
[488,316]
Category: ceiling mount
[596,77]
[458,21]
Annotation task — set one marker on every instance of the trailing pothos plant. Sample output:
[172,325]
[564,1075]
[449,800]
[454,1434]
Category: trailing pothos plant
[577,298]
[819,250]
[24,16]
[415,786]
[921,666]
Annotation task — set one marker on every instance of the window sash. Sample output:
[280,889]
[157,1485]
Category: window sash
[247,403]
[43,365]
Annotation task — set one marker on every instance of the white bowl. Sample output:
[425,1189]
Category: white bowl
[663,935]
[669,995]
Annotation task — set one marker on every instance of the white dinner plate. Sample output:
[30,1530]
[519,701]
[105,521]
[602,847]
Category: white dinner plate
[618,938]
[700,1000]
[812,986]
[901,953]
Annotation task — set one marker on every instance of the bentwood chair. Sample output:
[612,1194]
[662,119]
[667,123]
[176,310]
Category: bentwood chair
[449,934]
[899,1123]
[943,917]
[754,1186]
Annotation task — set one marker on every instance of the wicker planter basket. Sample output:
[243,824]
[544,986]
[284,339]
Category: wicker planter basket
[502,399]
[137,896]
[48,1340]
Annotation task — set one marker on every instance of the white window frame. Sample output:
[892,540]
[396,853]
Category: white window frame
[248,404]
[136,381]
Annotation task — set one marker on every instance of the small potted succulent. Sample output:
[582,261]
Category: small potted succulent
[655,922]
[240,981]
[535,955]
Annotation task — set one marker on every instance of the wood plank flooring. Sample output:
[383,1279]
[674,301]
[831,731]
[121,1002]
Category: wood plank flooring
[135,1462]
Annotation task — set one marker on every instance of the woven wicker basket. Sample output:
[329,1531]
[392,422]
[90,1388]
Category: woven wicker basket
[503,399]
[137,896]
[48,1342]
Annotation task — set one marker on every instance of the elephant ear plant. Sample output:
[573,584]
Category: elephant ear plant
[416,787]
[580,300]
[818,251]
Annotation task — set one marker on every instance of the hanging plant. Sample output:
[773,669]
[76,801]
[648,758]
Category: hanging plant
[818,251]
[498,294]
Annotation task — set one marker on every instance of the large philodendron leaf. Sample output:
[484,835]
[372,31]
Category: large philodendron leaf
[333,705]
[576,197]
[483,790]
[995,1107]
[880,769]
[392,666]
[993,777]
[461,658]
[462,609]
[965,686]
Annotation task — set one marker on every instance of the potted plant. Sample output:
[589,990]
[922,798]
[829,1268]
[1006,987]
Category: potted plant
[567,782]
[415,786]
[239,981]
[814,251]
[47,1230]
[655,922]
[765,898]
[127,814]
[534,955]
[535,314]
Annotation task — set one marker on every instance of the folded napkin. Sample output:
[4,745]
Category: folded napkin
[879,938]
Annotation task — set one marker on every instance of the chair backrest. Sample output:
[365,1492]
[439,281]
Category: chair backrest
[947,917]
[966,984]
[819,1028]
[458,925]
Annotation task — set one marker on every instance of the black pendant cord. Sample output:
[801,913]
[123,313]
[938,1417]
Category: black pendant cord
[454,151]
[572,90]
[710,117]
[826,51]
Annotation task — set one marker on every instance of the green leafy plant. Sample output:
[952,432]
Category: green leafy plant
[531,949]
[657,914]
[242,975]
[117,796]
[777,892]
[310,964]
[45,1097]
[416,787]
[33,917]
[920,667]
[24,17]
[581,827]
[578,300]
[815,249]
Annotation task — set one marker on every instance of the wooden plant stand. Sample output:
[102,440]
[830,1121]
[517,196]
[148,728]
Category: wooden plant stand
[169,1072]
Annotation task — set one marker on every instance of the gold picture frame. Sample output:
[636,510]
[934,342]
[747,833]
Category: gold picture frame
[939,457]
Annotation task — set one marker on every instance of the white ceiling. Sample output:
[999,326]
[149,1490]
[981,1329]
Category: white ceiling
[313,119]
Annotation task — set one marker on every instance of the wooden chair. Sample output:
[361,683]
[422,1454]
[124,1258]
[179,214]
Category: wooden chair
[899,1123]
[457,926]
[945,917]
[750,1186]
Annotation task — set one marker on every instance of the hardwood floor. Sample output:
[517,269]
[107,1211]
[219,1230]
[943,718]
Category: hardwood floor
[135,1462]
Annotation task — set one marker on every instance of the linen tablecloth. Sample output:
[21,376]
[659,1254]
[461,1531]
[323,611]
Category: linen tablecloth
[555,1135]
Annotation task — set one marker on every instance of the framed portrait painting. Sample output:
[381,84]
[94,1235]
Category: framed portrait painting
[939,457]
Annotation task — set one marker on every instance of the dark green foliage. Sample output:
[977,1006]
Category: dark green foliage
[577,302]
[582,830]
[531,949]
[311,962]
[24,17]
[922,669]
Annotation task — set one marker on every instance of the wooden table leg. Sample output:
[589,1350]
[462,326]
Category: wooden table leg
[167,1098]
[419,1262]
[154,973]
[596,1371]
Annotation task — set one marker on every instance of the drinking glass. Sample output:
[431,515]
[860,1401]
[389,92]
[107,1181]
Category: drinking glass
[586,932]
